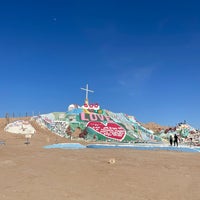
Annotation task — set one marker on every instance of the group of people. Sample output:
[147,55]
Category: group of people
[175,140]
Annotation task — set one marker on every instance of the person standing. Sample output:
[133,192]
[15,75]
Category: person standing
[175,140]
[170,140]
[191,142]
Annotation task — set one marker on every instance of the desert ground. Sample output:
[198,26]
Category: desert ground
[30,172]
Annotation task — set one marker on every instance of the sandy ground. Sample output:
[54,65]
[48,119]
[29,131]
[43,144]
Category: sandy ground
[32,172]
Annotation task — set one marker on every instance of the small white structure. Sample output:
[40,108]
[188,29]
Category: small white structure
[20,127]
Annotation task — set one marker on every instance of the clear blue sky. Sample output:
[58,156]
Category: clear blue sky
[140,57]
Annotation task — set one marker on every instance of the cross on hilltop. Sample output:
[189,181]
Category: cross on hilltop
[86,93]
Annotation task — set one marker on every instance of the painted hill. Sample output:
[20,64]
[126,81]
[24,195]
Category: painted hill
[186,133]
[90,122]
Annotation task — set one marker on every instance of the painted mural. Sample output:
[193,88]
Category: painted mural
[90,122]
[185,132]
[109,130]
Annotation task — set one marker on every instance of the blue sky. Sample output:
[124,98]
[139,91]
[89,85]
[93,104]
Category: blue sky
[141,58]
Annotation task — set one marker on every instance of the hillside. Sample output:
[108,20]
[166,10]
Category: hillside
[154,126]
[42,136]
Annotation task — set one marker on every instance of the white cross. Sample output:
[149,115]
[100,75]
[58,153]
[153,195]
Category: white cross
[87,90]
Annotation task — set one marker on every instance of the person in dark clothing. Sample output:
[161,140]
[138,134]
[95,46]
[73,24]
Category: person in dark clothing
[175,140]
[170,140]
[191,142]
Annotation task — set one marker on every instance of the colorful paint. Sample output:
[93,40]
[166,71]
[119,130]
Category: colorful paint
[94,117]
[109,130]
[91,122]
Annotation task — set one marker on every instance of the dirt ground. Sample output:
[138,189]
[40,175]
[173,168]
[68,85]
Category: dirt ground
[30,172]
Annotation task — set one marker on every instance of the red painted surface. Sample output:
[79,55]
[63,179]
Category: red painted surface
[110,130]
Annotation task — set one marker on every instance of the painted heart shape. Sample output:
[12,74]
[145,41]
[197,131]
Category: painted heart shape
[109,130]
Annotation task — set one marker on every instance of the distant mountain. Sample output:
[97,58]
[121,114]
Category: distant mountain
[154,126]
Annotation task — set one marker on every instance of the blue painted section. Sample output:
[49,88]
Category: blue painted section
[65,146]
[75,111]
[124,146]
[166,148]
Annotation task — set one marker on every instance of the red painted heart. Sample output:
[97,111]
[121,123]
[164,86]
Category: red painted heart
[109,130]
